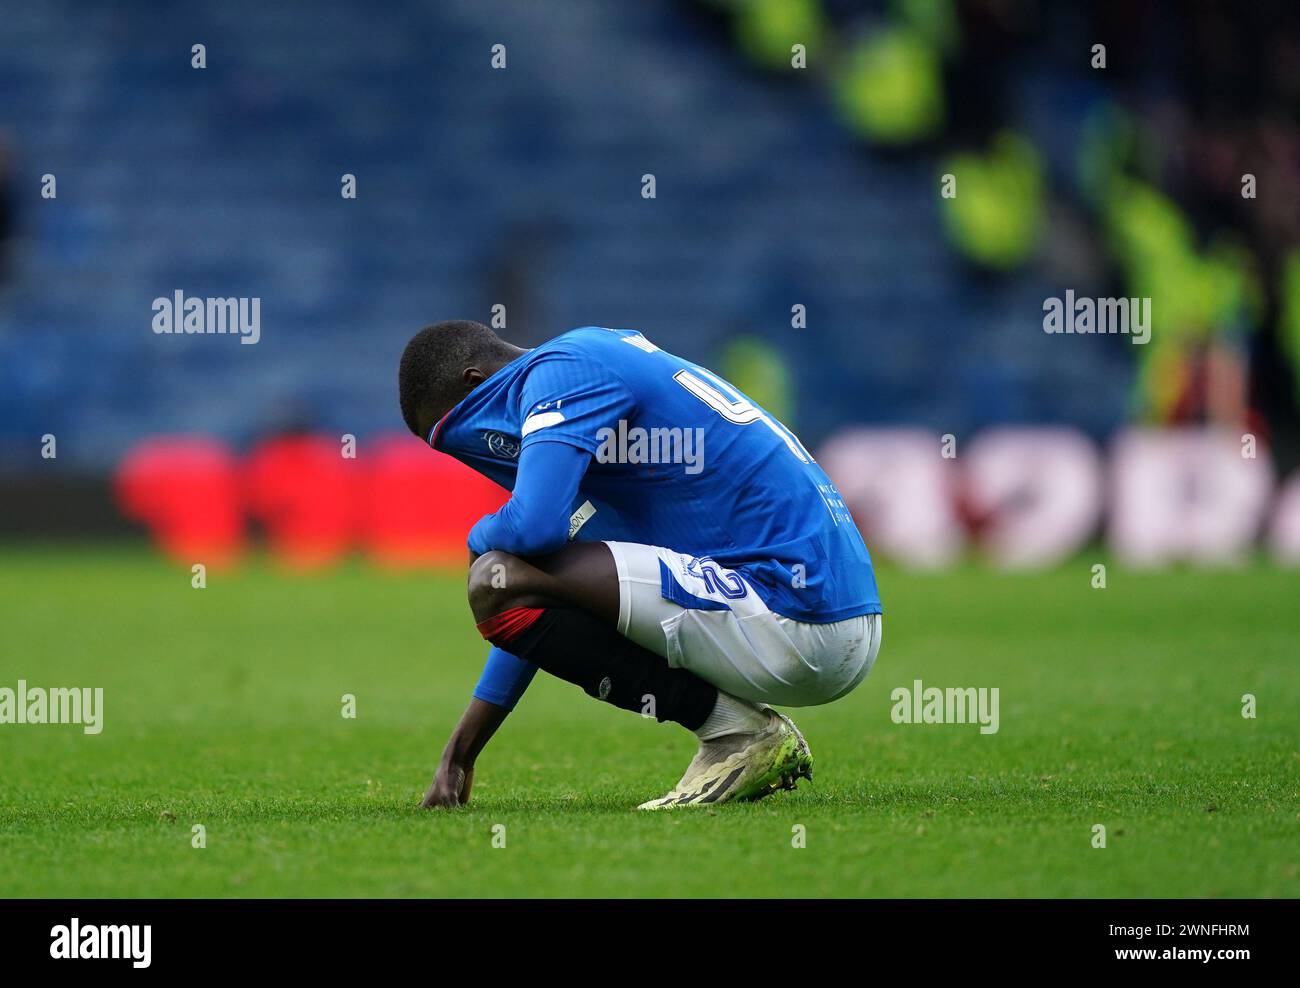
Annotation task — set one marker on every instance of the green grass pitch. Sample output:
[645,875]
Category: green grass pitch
[1120,707]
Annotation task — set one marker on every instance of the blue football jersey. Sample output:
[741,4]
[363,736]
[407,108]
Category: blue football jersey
[680,459]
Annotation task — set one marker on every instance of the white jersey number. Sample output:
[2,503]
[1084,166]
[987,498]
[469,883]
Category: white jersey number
[737,409]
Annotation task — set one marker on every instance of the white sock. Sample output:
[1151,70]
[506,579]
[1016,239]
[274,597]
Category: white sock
[731,716]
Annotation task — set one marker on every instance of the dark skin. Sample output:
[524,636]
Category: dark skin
[580,575]
[470,378]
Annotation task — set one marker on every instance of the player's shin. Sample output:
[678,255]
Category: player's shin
[581,649]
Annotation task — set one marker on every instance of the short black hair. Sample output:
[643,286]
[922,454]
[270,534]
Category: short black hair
[429,374]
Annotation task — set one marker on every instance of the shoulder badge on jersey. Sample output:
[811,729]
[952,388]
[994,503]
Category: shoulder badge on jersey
[499,444]
[540,420]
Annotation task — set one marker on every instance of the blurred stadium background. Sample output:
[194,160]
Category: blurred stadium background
[798,241]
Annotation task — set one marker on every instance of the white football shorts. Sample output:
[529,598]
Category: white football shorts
[729,637]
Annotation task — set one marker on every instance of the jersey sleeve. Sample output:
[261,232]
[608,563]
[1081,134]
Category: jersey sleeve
[574,399]
[504,679]
[536,518]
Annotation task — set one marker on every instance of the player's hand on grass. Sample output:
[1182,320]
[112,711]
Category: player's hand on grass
[450,787]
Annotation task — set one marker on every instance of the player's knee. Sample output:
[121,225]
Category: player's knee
[496,581]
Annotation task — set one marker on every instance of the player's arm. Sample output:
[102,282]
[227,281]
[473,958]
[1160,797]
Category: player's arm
[499,688]
[451,784]
[567,399]
[534,521]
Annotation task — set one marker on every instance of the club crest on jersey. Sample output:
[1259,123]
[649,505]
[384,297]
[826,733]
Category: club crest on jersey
[499,444]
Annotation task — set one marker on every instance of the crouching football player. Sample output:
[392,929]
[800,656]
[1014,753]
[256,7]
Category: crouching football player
[668,546]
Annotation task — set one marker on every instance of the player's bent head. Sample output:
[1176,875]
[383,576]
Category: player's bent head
[442,364]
